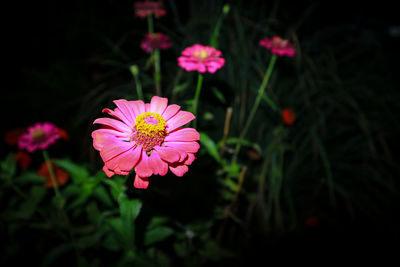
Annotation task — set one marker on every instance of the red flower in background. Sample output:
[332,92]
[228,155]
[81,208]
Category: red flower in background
[147,8]
[61,176]
[278,46]
[312,221]
[23,159]
[288,116]
[12,136]
[155,41]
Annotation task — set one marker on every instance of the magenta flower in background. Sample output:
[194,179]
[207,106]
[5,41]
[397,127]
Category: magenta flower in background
[155,41]
[147,138]
[39,136]
[147,8]
[201,58]
[278,46]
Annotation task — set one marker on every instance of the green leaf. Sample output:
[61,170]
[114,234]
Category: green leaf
[101,194]
[38,193]
[157,221]
[209,144]
[29,177]
[77,173]
[218,94]
[157,234]
[130,208]
[8,167]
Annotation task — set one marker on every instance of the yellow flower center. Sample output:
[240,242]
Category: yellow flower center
[38,134]
[149,130]
[201,54]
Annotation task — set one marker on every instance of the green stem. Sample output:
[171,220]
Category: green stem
[51,172]
[150,23]
[215,35]
[135,72]
[157,71]
[196,97]
[255,107]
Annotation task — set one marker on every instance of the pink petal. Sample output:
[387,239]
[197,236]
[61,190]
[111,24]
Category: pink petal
[188,147]
[116,124]
[143,169]
[125,161]
[141,182]
[168,154]
[114,147]
[191,157]
[158,104]
[183,134]
[108,172]
[181,118]
[117,114]
[147,107]
[170,111]
[179,170]
[157,165]
[137,106]
[126,109]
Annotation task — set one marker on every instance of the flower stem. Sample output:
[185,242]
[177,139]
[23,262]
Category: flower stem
[157,71]
[215,35]
[255,106]
[150,24]
[51,172]
[135,72]
[196,97]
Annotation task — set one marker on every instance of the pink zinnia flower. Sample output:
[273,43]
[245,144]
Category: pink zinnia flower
[147,8]
[201,58]
[278,46]
[39,136]
[147,138]
[155,41]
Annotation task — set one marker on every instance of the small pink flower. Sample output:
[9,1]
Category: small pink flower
[147,8]
[146,138]
[201,58]
[278,46]
[39,136]
[155,41]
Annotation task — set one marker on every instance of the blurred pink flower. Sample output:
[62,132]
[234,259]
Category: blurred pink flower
[146,137]
[147,8]
[155,41]
[278,46]
[39,136]
[201,58]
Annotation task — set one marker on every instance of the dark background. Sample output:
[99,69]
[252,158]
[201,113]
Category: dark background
[59,37]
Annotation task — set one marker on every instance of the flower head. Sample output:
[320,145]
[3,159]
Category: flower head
[23,159]
[201,58]
[61,176]
[12,136]
[155,41]
[146,138]
[39,136]
[288,116]
[278,46]
[147,8]
[312,221]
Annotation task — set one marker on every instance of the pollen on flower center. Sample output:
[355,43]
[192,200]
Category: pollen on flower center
[201,54]
[149,130]
[38,134]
